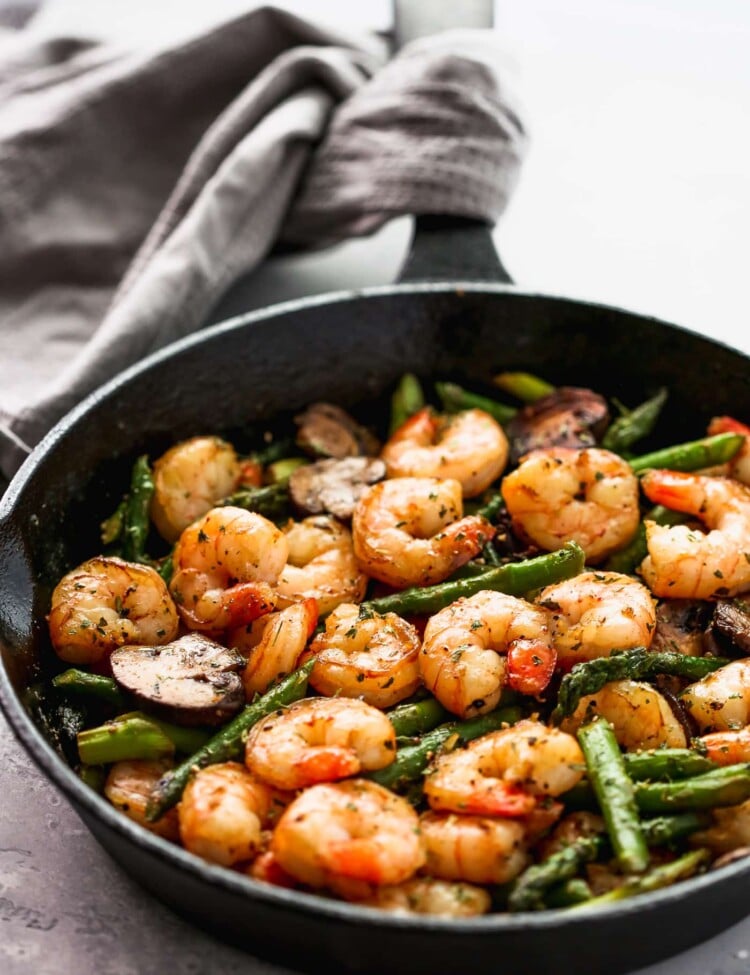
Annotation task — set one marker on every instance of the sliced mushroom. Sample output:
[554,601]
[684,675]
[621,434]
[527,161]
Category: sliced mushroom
[326,430]
[732,857]
[730,626]
[192,681]
[334,486]
[569,417]
[680,626]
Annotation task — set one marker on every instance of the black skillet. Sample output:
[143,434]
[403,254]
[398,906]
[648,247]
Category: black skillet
[349,348]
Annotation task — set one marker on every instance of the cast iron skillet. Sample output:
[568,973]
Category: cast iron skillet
[349,348]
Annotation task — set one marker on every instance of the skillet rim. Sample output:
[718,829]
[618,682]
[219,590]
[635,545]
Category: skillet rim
[299,902]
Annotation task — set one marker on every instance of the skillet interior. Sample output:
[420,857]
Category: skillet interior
[348,349]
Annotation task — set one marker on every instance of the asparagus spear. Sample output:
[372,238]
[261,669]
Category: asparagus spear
[726,786]
[569,893]
[523,385]
[634,424]
[136,735]
[281,470]
[590,676]
[531,888]
[636,550]
[416,717]
[614,790]
[693,455]
[407,400]
[228,742]
[515,579]
[662,876]
[93,685]
[666,763]
[129,525]
[492,508]
[271,501]
[270,453]
[455,398]
[412,760]
[532,885]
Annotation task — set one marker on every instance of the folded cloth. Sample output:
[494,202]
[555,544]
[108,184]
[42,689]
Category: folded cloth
[135,188]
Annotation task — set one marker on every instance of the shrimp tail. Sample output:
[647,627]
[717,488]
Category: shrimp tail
[502,799]
[326,764]
[268,869]
[466,538]
[674,489]
[247,601]
[530,665]
[310,607]
[422,427]
[727,424]
[354,858]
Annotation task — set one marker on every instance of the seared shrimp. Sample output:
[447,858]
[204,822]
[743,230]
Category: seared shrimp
[321,565]
[188,481]
[478,849]
[273,644]
[222,811]
[727,747]
[347,836]
[461,662]
[373,658]
[721,701]
[410,531]
[128,788]
[319,739]
[470,447]
[427,895]
[595,613]
[730,829]
[503,773]
[225,565]
[562,494]
[683,562]
[107,603]
[739,466]
[640,715]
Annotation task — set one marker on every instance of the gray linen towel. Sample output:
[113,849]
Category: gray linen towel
[136,188]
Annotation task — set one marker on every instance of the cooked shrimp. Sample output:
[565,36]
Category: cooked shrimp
[267,868]
[721,701]
[729,830]
[562,494]
[321,565]
[477,849]
[188,481]
[503,773]
[727,747]
[128,788]
[427,895]
[683,562]
[410,531]
[319,739]
[470,447]
[347,836]
[224,567]
[373,658]
[273,644]
[461,662]
[640,715]
[595,613]
[107,603]
[222,811]
[739,466]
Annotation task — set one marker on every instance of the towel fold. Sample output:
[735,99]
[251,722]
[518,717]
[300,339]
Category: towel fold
[135,188]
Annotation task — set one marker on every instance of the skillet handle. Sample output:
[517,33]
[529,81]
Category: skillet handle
[452,249]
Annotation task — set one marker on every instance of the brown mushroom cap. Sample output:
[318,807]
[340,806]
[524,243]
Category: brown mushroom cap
[571,416]
[334,486]
[730,625]
[326,430]
[192,681]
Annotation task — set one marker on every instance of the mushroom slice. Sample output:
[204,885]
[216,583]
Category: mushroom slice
[731,625]
[334,486]
[326,430]
[192,681]
[571,416]
[680,626]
